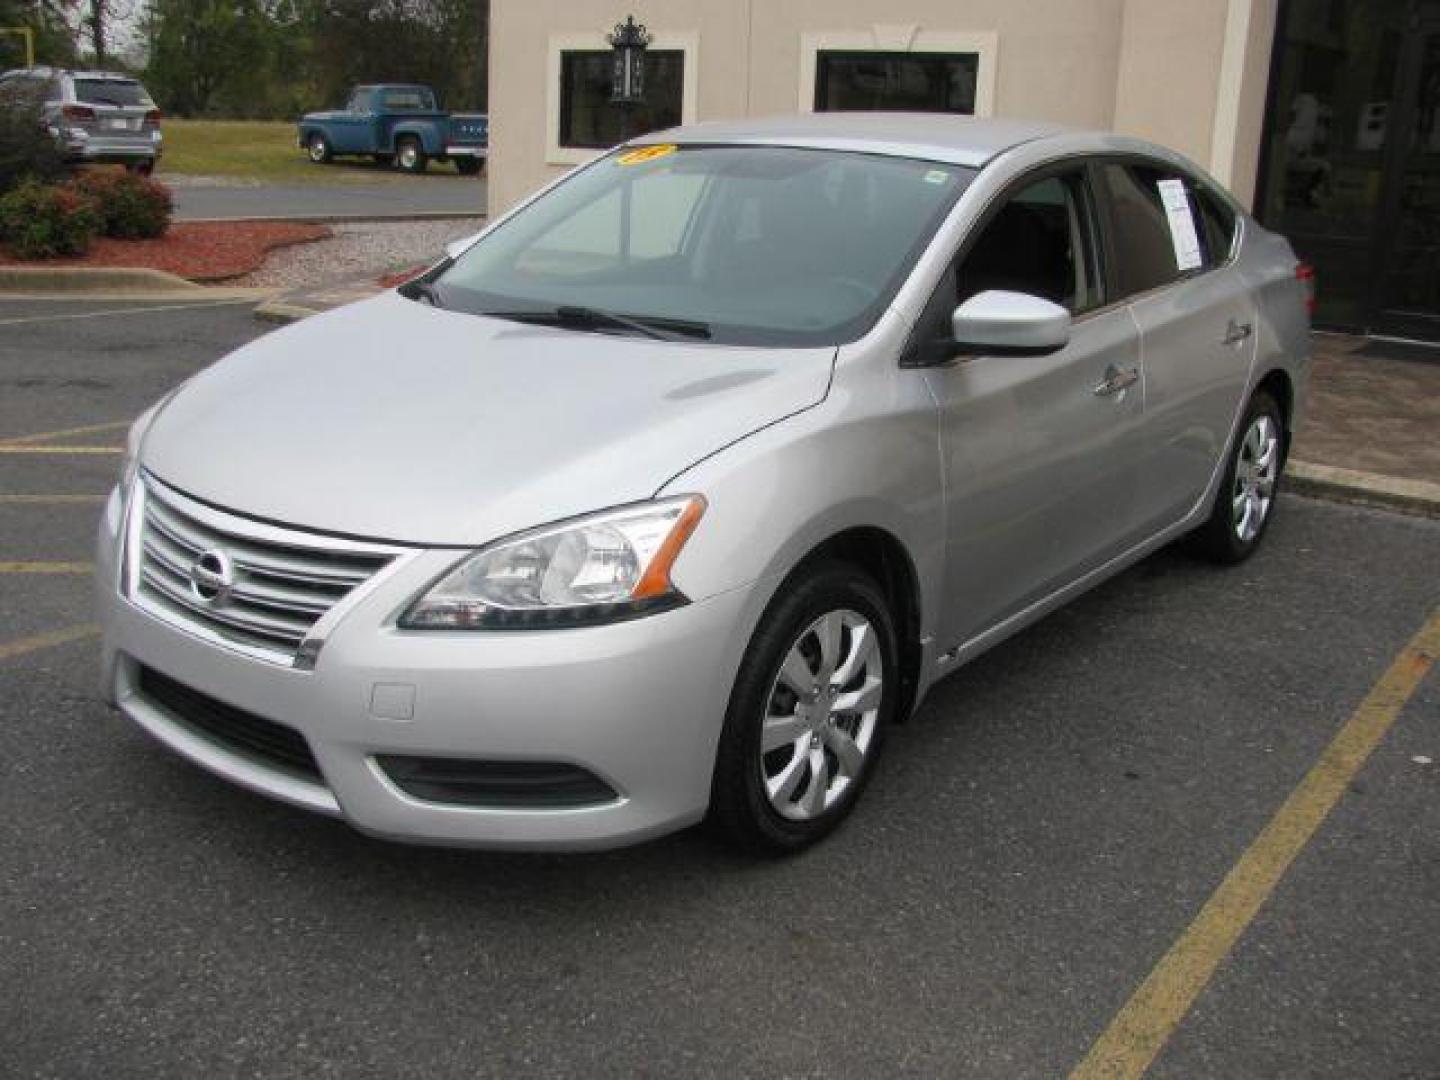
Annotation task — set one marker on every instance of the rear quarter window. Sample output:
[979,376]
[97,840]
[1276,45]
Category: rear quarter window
[1218,221]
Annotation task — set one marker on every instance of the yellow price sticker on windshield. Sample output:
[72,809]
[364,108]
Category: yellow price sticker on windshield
[645,153]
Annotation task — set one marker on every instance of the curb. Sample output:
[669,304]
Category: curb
[93,279]
[345,219]
[284,311]
[1417,497]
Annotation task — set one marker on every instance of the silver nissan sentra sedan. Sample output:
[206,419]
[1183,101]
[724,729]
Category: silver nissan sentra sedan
[664,497]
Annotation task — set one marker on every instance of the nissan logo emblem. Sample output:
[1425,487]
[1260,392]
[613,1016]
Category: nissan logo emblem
[212,576]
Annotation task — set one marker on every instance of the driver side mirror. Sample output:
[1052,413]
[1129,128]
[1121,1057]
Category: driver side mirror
[999,323]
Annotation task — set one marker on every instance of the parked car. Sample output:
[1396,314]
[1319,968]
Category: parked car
[400,124]
[95,117]
[669,493]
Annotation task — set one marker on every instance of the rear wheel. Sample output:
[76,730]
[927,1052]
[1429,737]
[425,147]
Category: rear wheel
[808,713]
[141,168]
[467,166]
[410,155]
[1245,502]
[318,147]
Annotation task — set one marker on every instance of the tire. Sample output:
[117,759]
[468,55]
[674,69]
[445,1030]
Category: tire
[467,166]
[776,801]
[1245,501]
[383,159]
[410,155]
[141,168]
[318,148]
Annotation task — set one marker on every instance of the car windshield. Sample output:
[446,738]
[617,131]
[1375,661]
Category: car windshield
[730,244]
[111,92]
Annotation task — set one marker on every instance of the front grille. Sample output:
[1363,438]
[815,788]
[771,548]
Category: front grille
[283,581]
[235,729]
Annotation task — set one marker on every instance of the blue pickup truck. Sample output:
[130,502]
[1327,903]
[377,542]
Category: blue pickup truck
[397,123]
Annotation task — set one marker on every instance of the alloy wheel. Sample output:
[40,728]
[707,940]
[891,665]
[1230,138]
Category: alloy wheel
[1256,470]
[821,715]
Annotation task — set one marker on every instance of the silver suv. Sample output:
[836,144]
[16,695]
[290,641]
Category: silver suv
[95,117]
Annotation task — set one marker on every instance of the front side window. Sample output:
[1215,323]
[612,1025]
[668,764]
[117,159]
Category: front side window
[750,244]
[1041,242]
[896,81]
[1156,231]
[589,120]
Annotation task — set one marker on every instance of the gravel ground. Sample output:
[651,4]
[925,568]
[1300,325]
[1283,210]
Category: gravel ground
[357,250]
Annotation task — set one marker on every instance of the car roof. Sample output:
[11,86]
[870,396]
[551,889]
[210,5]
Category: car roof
[959,140]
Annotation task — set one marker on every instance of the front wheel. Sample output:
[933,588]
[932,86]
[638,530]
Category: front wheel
[1245,502]
[808,713]
[318,148]
[410,156]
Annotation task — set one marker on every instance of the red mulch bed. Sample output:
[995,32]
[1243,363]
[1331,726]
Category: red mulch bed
[400,277]
[198,250]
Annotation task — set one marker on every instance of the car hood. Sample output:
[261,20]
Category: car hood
[393,420]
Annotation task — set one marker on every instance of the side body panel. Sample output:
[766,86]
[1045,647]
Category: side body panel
[1042,473]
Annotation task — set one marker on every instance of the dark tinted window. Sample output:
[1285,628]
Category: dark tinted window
[407,99]
[111,92]
[1219,225]
[1041,242]
[1147,245]
[900,82]
[589,120]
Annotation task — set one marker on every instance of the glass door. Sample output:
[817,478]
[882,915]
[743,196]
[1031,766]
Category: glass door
[1407,271]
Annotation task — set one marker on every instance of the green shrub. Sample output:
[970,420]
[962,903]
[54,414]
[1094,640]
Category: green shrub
[27,150]
[39,221]
[131,207]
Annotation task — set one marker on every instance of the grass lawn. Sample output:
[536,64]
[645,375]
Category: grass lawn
[256,150]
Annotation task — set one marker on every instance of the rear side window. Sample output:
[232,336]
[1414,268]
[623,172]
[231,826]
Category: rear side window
[1157,236]
[111,92]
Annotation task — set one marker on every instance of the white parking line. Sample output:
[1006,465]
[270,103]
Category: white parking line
[127,311]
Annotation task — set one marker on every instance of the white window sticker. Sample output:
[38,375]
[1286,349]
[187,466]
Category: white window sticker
[1182,223]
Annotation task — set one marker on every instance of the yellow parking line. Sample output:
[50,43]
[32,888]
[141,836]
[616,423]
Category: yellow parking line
[10,649]
[1140,1030]
[48,500]
[7,448]
[21,440]
[46,567]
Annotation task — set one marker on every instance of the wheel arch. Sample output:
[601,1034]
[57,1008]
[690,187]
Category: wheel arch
[881,556]
[1278,385]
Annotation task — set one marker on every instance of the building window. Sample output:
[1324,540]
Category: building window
[896,81]
[587,118]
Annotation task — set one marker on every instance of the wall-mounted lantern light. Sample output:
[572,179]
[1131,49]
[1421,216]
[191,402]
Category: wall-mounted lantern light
[629,41]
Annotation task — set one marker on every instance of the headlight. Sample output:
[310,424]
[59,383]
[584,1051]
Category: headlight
[603,568]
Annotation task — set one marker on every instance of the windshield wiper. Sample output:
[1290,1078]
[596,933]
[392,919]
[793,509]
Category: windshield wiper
[587,318]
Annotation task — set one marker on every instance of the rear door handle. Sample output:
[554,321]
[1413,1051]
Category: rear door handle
[1236,332]
[1117,380]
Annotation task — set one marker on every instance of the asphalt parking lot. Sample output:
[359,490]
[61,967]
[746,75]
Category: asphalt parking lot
[1041,840]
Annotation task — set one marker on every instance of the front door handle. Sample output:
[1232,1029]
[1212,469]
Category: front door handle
[1236,333]
[1117,380]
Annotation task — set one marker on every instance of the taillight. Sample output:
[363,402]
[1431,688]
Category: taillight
[1305,273]
[153,118]
[78,112]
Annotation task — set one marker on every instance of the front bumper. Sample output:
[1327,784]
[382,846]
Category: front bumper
[637,704]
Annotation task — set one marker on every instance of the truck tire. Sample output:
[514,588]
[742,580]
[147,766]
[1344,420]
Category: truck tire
[410,155]
[318,147]
[468,166]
